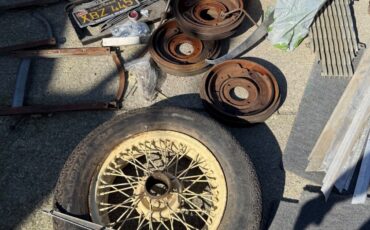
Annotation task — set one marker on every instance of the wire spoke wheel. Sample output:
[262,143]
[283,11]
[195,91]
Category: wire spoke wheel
[159,180]
[160,168]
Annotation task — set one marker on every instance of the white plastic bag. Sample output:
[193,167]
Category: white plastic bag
[292,20]
[131,29]
[146,74]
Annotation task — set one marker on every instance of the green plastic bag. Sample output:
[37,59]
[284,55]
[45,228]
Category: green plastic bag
[292,21]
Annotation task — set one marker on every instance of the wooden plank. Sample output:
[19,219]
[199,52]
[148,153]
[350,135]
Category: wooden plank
[363,181]
[335,131]
[352,135]
[344,181]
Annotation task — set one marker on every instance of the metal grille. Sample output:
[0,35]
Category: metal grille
[334,39]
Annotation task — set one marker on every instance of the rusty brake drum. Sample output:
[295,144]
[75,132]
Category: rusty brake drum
[240,92]
[166,50]
[209,19]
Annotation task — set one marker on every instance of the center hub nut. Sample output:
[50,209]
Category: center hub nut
[158,196]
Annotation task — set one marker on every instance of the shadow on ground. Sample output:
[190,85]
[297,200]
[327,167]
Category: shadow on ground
[254,9]
[316,208]
[33,150]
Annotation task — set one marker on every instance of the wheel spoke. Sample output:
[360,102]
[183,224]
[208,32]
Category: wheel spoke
[191,177]
[192,204]
[118,185]
[197,210]
[141,223]
[114,189]
[147,154]
[163,171]
[119,173]
[114,207]
[201,196]
[171,221]
[193,164]
[162,224]
[176,217]
[123,215]
[138,165]
[193,183]
[176,158]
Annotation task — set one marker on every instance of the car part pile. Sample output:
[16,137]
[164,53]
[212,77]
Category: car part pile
[166,173]
[168,50]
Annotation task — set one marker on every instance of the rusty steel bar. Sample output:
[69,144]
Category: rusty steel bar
[122,78]
[23,72]
[246,45]
[29,45]
[46,109]
[20,5]
[59,53]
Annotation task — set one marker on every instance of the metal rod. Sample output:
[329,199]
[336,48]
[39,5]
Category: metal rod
[20,86]
[29,45]
[57,53]
[47,109]
[20,5]
[363,180]
[75,220]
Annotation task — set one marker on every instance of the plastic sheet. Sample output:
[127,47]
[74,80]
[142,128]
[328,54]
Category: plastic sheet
[292,20]
[131,29]
[147,76]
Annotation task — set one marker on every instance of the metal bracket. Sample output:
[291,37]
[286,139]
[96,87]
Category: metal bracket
[252,40]
[59,53]
[21,5]
[75,221]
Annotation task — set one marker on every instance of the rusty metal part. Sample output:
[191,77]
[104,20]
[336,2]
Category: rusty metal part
[249,43]
[57,53]
[50,41]
[209,19]
[29,45]
[240,92]
[165,49]
[46,109]
[24,67]
[122,79]
[32,3]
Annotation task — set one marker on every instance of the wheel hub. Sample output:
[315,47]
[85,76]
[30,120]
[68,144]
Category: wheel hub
[159,196]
